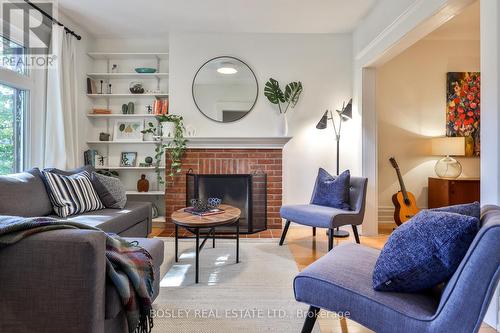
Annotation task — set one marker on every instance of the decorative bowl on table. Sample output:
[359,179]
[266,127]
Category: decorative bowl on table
[145,70]
[136,87]
[200,205]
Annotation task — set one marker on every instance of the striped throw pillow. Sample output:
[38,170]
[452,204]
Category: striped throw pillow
[72,194]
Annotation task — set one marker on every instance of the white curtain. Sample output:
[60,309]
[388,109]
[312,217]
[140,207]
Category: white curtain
[61,131]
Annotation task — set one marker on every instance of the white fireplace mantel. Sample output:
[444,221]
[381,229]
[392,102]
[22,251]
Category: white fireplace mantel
[272,142]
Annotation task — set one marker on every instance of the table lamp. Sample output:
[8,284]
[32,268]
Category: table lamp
[448,167]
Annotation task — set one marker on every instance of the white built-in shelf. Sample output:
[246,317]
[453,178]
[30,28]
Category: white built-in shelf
[129,55]
[127,168]
[145,193]
[121,142]
[127,95]
[106,76]
[119,115]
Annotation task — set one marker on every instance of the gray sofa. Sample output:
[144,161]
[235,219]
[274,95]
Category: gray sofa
[56,281]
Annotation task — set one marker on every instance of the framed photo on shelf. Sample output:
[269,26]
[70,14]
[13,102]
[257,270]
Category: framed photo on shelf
[128,130]
[128,159]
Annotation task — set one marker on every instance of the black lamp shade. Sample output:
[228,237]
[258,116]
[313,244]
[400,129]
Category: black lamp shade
[322,124]
[347,111]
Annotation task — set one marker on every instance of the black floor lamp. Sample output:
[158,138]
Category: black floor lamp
[343,115]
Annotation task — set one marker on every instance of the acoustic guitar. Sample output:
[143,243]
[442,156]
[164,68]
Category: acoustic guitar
[404,201]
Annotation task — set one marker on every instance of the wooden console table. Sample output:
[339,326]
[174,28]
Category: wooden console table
[446,192]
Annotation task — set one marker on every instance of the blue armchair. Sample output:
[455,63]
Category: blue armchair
[327,217]
[341,281]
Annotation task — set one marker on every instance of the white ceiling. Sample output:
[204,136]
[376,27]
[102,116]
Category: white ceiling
[134,18]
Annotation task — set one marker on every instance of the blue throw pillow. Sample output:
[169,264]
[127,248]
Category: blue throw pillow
[470,209]
[424,251]
[332,191]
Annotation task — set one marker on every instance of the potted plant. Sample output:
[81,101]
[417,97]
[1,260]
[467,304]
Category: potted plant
[175,145]
[289,98]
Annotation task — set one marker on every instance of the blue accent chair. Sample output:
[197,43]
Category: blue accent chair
[327,217]
[341,281]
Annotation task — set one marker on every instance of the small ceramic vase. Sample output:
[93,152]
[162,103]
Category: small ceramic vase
[143,184]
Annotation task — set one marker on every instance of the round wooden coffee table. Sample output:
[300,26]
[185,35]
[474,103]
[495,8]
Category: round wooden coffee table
[193,223]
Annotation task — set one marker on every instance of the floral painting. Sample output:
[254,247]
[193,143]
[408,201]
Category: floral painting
[463,109]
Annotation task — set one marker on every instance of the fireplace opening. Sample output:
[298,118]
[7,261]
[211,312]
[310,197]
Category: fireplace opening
[244,191]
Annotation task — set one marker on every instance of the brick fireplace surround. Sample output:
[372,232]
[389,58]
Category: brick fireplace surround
[228,161]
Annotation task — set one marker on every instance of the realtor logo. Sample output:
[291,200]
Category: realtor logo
[23,21]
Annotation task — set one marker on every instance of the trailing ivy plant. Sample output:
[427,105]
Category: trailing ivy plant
[176,146]
[289,98]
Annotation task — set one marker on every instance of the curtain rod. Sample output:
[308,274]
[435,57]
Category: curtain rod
[68,30]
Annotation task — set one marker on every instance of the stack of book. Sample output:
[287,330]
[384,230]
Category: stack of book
[92,86]
[101,111]
[160,106]
[89,157]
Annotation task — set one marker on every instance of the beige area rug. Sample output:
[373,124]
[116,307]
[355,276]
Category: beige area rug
[255,295]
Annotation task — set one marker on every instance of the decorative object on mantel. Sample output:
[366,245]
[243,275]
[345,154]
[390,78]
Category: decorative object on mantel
[102,81]
[143,184]
[110,91]
[114,69]
[190,131]
[176,146]
[136,87]
[343,115]
[448,167]
[276,96]
[213,89]
[128,159]
[463,109]
[128,130]
[104,136]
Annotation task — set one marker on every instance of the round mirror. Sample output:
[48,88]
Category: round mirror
[225,89]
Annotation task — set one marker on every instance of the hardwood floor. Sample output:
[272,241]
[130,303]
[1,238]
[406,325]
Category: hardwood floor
[306,249]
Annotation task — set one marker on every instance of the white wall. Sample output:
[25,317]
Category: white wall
[411,104]
[321,62]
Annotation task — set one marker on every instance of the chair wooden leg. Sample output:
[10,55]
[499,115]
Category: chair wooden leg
[285,230]
[314,231]
[330,239]
[312,314]
[355,231]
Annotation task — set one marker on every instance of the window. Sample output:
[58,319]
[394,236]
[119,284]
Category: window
[13,56]
[13,105]
[12,116]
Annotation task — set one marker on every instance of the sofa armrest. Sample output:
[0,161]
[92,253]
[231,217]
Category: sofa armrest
[54,282]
